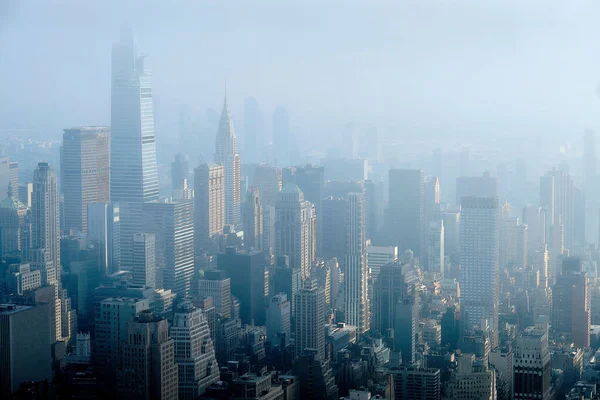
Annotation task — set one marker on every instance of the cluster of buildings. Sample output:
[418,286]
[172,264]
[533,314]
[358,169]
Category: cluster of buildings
[253,281]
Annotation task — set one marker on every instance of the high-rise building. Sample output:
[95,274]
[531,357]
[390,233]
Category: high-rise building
[292,228]
[333,238]
[435,247]
[479,186]
[226,155]
[254,131]
[281,137]
[315,376]
[25,192]
[112,316]
[571,303]
[149,370]
[557,197]
[278,316]
[13,174]
[286,280]
[513,242]
[12,217]
[209,204]
[218,286]
[535,220]
[194,351]
[179,172]
[374,205]
[416,383]
[173,223]
[406,210]
[144,259]
[85,172]
[356,275]
[45,221]
[104,231]
[311,180]
[268,181]
[309,319]
[249,282]
[531,364]
[133,166]
[25,347]
[9,177]
[378,256]
[472,380]
[268,228]
[479,252]
[406,325]
[589,154]
[252,220]
[432,198]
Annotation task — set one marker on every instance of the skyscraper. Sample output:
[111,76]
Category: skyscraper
[309,317]
[104,231]
[479,252]
[209,205]
[311,180]
[173,223]
[226,155]
[85,172]
[292,228]
[406,210]
[268,181]
[254,131]
[532,370]
[252,220]
[149,369]
[356,276]
[133,169]
[25,347]
[416,383]
[281,137]
[278,316]
[194,351]
[218,286]
[179,172]
[557,197]
[480,186]
[9,176]
[45,224]
[12,216]
[333,239]
[144,259]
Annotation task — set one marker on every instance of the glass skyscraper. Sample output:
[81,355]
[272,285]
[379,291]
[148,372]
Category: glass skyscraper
[134,175]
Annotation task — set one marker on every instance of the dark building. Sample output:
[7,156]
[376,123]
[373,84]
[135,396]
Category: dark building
[180,172]
[311,180]
[374,208]
[249,282]
[334,229]
[406,210]
[286,280]
[479,186]
[416,383]
[315,377]
[406,325]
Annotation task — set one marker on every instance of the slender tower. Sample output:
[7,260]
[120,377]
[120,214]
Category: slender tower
[226,154]
[134,172]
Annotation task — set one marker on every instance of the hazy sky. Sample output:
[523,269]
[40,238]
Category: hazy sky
[436,67]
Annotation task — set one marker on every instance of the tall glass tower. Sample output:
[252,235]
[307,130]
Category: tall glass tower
[134,175]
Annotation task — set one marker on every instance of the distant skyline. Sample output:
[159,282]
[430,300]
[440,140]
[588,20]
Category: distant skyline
[429,67]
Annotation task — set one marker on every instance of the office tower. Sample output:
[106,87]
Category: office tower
[12,218]
[133,166]
[309,319]
[315,376]
[501,359]
[378,256]
[435,247]
[112,316]
[144,259]
[104,231]
[25,347]
[406,325]
[286,280]
[149,369]
[356,274]
[479,248]
[311,180]
[479,186]
[416,383]
[374,206]
[406,208]
[9,177]
[531,364]
[179,172]
[194,351]
[254,131]
[472,380]
[252,221]
[25,192]
[451,219]
[173,223]
[249,282]
[278,317]
[268,222]
[281,137]
[13,173]
[216,285]
[292,228]
[513,244]
[571,303]
[68,318]
[333,238]
[535,220]
[312,233]
[227,338]
[22,278]
[579,220]
[209,204]
[557,197]
[432,198]
[226,155]
[85,172]
[268,181]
